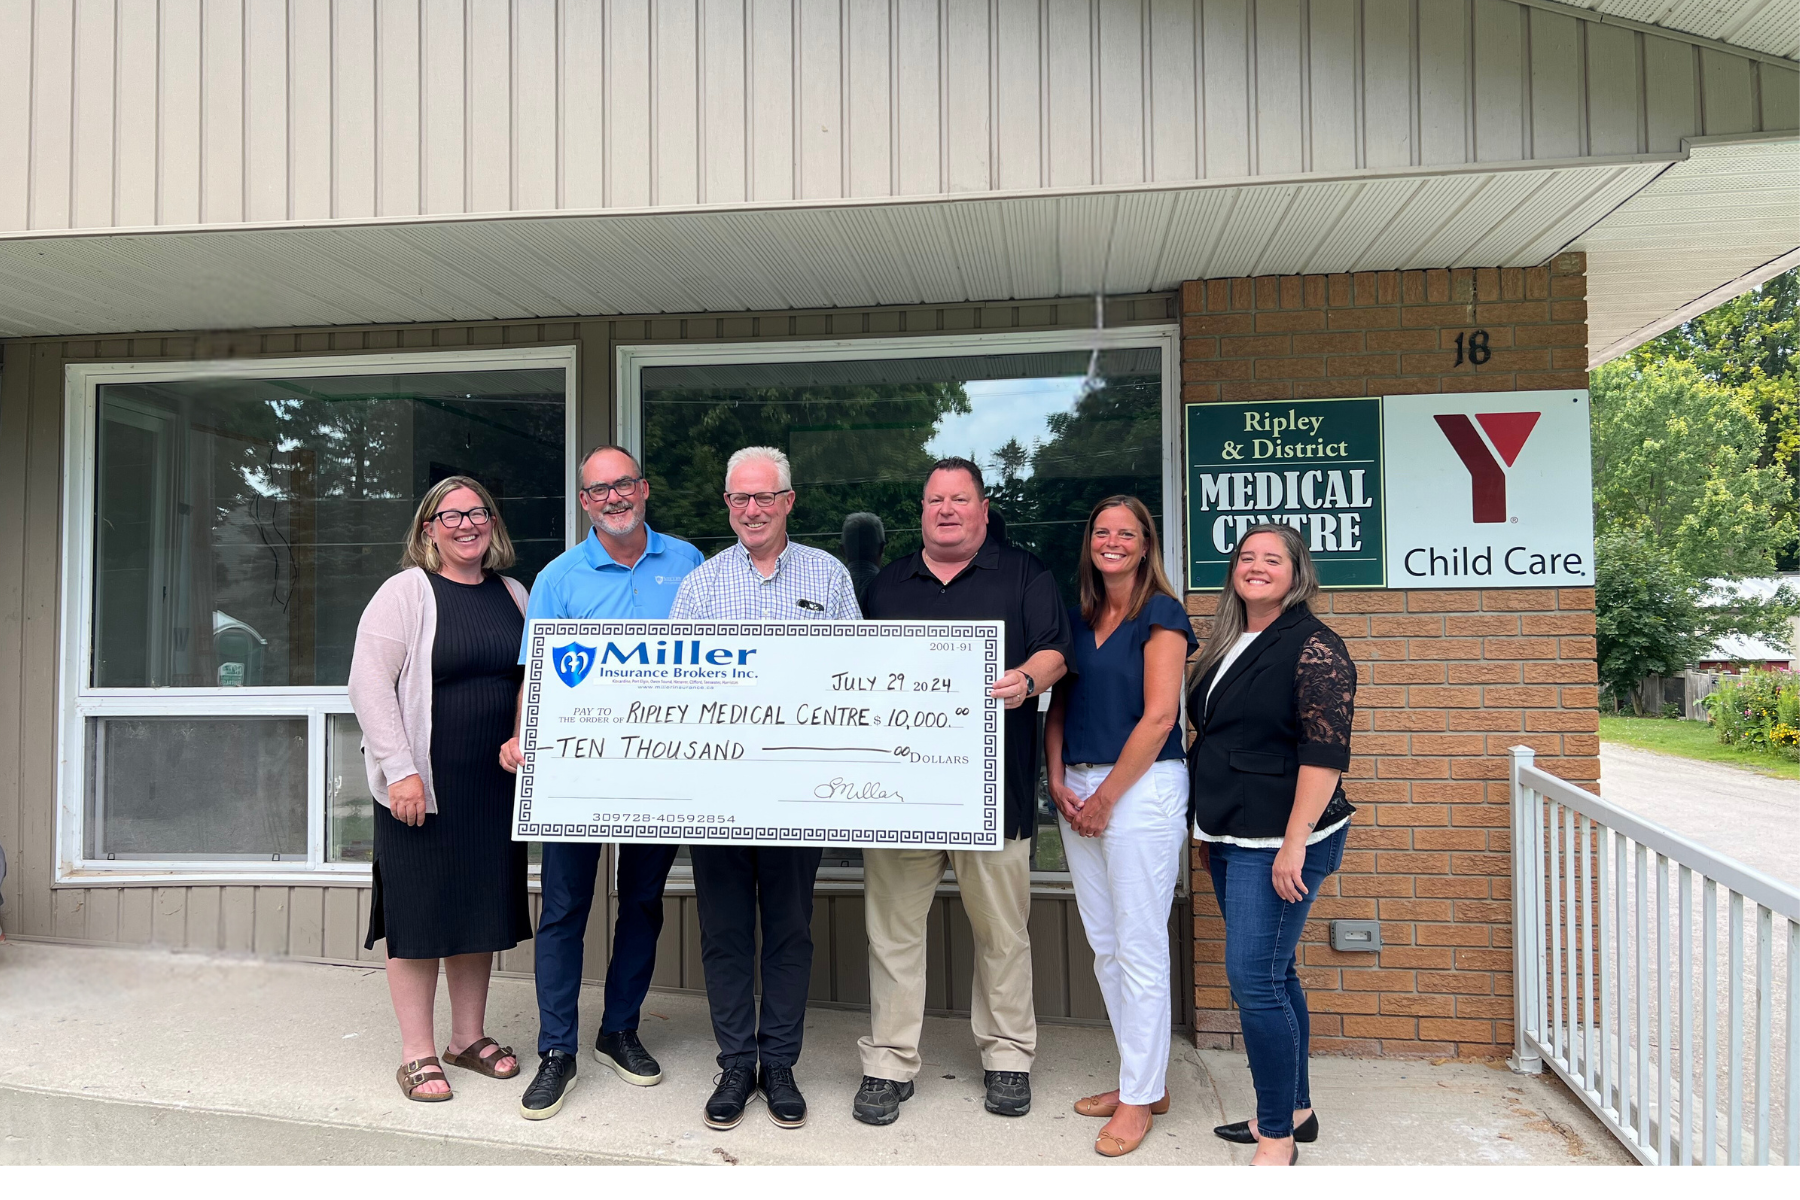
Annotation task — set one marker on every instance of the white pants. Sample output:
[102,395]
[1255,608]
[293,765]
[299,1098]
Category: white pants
[1125,884]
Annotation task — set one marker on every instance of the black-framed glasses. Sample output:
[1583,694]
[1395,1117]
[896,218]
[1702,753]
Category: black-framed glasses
[453,518]
[626,487]
[763,499]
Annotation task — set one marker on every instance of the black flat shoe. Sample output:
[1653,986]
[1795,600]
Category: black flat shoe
[1239,1131]
[736,1084]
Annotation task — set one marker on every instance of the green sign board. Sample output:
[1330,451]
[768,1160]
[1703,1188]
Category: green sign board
[1312,464]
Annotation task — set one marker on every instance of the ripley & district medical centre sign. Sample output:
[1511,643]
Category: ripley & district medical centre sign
[1474,489]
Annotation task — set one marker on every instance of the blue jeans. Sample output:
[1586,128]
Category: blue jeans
[1262,932]
[568,880]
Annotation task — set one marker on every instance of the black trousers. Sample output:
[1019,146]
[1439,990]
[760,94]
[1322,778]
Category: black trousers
[733,884]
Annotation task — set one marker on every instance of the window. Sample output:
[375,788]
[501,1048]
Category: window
[1054,425]
[226,524]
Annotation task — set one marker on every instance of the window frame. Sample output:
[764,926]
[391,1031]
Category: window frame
[631,359]
[79,699]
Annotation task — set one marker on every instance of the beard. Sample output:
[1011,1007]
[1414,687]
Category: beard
[620,524]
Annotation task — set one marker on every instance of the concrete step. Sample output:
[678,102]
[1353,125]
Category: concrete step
[154,1057]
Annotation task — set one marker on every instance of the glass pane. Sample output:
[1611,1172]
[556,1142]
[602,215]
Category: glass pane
[242,524]
[196,788]
[862,435]
[349,805]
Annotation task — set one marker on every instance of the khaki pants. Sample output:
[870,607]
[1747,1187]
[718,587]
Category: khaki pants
[898,886]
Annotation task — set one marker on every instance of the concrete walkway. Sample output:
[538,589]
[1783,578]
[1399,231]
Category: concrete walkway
[1750,817]
[144,1056]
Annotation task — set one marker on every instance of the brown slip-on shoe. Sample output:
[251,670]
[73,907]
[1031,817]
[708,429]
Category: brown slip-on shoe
[1109,1146]
[1100,1106]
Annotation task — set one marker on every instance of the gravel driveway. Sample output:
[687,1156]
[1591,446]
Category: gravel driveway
[1753,818]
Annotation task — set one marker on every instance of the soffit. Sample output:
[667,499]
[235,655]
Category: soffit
[942,251]
[1711,227]
[1768,26]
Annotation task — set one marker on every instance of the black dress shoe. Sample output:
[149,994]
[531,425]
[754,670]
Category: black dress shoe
[1239,1131]
[726,1107]
[627,1057]
[878,1100]
[545,1094]
[1008,1093]
[787,1107]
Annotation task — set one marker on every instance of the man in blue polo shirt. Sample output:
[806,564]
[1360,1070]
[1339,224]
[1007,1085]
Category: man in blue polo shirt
[623,569]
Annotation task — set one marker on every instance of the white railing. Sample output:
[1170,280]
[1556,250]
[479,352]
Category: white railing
[1610,992]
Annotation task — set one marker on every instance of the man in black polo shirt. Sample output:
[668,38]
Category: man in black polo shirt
[964,574]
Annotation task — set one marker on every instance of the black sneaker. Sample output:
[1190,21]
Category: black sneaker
[627,1057]
[787,1107]
[726,1107]
[1009,1093]
[554,1081]
[878,1100]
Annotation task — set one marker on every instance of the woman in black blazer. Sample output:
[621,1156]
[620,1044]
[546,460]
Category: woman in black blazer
[1271,709]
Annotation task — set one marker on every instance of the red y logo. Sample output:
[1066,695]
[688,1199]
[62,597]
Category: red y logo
[1508,432]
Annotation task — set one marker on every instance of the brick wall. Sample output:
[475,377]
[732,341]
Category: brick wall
[1447,680]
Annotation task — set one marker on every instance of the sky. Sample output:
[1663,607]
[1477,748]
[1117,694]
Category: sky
[1003,409]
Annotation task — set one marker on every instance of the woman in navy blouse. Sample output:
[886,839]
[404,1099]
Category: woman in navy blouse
[1118,776]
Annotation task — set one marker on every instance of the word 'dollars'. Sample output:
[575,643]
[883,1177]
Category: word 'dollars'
[1324,506]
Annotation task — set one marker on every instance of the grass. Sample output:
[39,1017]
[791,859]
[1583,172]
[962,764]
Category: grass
[1691,739]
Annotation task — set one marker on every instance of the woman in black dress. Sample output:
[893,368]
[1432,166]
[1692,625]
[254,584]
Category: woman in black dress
[435,684]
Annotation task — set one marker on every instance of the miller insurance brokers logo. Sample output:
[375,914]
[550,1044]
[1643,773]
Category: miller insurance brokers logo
[1506,434]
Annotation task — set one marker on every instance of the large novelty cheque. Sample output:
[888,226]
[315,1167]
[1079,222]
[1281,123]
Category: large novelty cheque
[804,733]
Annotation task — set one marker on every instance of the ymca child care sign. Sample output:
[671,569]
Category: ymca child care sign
[1479,489]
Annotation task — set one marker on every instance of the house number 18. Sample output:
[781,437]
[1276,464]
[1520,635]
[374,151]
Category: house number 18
[1477,351]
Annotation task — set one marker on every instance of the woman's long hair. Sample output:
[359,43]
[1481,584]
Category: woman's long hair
[1151,578]
[1229,622]
[421,551]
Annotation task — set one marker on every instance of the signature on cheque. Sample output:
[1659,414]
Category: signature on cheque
[846,789]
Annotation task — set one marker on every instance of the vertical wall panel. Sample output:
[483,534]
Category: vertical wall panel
[354,118]
[168,916]
[968,132]
[818,74]
[68,920]
[445,108]
[628,102]
[1225,75]
[306,922]
[51,114]
[1019,68]
[1555,86]
[1613,83]
[919,105]
[490,84]
[1443,83]
[1501,81]
[1671,105]
[103,914]
[869,97]
[92,187]
[1387,83]
[398,106]
[1280,121]
[222,111]
[309,112]
[1332,113]
[237,919]
[1120,54]
[265,113]
[15,413]
[677,171]
[534,75]
[203,918]
[1070,84]
[137,915]
[1780,98]
[1174,89]
[584,83]
[722,83]
[37,721]
[342,936]
[178,124]
[15,99]
[1730,103]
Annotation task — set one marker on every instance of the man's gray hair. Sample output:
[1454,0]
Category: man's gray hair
[768,454]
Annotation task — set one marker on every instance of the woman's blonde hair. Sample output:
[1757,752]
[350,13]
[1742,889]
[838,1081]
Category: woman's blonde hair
[1229,622]
[421,551]
[1151,579]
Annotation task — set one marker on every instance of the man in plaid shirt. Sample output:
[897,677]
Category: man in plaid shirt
[763,576]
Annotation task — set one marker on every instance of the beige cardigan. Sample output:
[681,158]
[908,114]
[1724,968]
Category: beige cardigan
[390,680]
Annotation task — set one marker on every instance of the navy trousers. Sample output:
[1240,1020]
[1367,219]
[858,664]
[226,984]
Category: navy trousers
[732,884]
[568,878]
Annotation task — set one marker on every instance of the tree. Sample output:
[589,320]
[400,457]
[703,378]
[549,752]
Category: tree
[1646,616]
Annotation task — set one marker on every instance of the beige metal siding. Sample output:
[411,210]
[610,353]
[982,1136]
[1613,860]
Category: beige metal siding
[327,922]
[116,114]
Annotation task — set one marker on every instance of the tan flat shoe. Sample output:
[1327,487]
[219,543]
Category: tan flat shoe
[1109,1146]
[1101,1106]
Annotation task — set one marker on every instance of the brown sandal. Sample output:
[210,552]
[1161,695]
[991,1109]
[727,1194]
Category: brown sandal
[1111,1146]
[472,1059]
[418,1072]
[1099,1106]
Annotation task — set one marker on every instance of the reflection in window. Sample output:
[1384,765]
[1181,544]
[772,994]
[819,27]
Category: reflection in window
[243,524]
[862,435]
[196,788]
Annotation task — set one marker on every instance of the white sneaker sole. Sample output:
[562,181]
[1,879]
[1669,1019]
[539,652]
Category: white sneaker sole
[544,1114]
[606,1060]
